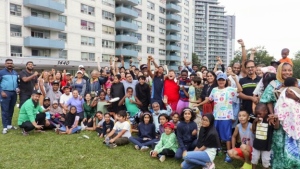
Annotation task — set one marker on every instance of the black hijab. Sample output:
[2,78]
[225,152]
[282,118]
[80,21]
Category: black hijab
[208,136]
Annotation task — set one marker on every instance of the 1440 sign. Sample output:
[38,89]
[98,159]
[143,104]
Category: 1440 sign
[61,62]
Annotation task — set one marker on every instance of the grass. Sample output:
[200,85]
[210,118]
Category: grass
[49,150]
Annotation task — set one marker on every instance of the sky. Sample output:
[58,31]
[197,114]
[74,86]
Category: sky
[274,24]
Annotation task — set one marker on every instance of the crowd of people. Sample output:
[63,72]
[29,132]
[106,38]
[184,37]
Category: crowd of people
[252,109]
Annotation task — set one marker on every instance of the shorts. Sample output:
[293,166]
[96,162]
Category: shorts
[240,153]
[224,129]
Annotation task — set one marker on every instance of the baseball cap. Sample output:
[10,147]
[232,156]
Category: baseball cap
[67,86]
[222,76]
[275,62]
[269,69]
[37,92]
[68,74]
[55,82]
[79,71]
[46,98]
[143,66]
[169,124]
[81,66]
[55,102]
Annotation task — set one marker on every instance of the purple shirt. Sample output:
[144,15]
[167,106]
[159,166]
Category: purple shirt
[77,103]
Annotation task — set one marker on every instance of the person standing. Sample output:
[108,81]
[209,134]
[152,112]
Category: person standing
[28,82]
[9,90]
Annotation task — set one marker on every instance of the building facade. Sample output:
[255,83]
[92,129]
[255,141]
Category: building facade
[67,33]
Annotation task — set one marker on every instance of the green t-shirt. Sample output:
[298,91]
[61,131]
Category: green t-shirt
[28,112]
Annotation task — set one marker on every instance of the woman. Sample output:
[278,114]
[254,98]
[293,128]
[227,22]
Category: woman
[207,145]
[42,87]
[281,156]
[93,85]
[79,83]
[89,110]
[76,101]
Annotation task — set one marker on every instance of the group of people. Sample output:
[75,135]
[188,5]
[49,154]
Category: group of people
[252,109]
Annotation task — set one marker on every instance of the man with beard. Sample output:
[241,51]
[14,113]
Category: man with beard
[28,82]
[9,90]
[32,115]
[46,103]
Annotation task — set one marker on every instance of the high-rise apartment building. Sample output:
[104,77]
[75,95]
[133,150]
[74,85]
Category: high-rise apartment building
[67,33]
[214,33]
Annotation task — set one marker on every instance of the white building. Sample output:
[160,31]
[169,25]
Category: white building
[67,33]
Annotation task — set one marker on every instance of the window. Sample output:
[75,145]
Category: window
[186,2]
[87,41]
[85,56]
[40,52]
[186,38]
[63,54]
[162,62]
[150,16]
[186,11]
[186,47]
[186,20]
[150,5]
[15,9]
[162,31]
[109,2]
[140,2]
[87,9]
[150,28]
[108,15]
[150,50]
[138,23]
[186,55]
[138,11]
[62,19]
[162,52]
[40,14]
[108,29]
[138,35]
[162,20]
[62,36]
[150,39]
[105,57]
[15,31]
[86,25]
[186,29]
[108,44]
[40,33]
[137,48]
[16,51]
[162,10]
[162,42]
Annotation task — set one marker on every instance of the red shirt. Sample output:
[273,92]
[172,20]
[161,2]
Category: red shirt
[171,89]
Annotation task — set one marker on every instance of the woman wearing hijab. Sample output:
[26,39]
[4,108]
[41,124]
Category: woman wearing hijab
[207,144]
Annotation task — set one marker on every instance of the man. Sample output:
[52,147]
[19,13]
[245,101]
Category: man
[129,82]
[9,90]
[32,115]
[157,111]
[284,54]
[28,82]
[81,67]
[53,91]
[203,68]
[248,84]
[95,83]
[46,103]
[143,68]
[66,96]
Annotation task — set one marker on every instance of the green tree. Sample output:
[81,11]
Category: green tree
[297,54]
[195,60]
[296,68]
[260,57]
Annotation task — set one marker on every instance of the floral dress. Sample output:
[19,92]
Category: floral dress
[285,149]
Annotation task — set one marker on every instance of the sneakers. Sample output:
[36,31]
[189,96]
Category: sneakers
[24,133]
[136,147]
[228,159]
[113,145]
[247,166]
[12,128]
[209,166]
[4,131]
[162,158]
[144,148]
[151,153]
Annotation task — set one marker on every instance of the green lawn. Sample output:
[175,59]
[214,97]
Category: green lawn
[49,150]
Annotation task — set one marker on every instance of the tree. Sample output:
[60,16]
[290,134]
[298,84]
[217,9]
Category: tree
[296,68]
[195,60]
[297,55]
[261,56]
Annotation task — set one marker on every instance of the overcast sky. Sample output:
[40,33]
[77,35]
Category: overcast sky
[274,24]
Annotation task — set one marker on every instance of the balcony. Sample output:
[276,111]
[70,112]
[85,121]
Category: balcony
[174,1]
[175,28]
[173,58]
[126,52]
[128,2]
[173,48]
[173,38]
[173,8]
[126,25]
[42,23]
[126,39]
[173,17]
[45,5]
[43,43]
[126,12]
[173,67]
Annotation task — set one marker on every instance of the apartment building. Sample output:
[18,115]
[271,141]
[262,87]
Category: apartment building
[67,33]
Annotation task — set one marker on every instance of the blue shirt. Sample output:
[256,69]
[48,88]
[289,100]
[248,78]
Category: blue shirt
[8,80]
[77,103]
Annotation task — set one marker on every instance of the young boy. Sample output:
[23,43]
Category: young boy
[167,145]
[244,131]
[121,131]
[171,90]
[108,125]
[184,83]
[263,136]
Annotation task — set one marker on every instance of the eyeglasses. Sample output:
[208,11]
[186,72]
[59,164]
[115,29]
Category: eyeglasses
[251,67]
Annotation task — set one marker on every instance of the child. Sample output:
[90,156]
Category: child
[263,136]
[131,102]
[146,133]
[163,118]
[244,131]
[186,132]
[102,103]
[71,123]
[120,133]
[175,120]
[56,114]
[167,145]
[171,89]
[107,125]
[184,83]
[107,97]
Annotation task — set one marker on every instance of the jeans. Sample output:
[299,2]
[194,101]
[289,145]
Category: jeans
[236,110]
[167,152]
[74,130]
[7,107]
[140,142]
[188,147]
[195,159]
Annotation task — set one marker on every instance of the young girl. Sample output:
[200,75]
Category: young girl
[207,145]
[146,133]
[167,145]
[186,132]
[102,103]
[131,102]
[175,120]
[71,123]
[163,118]
[89,111]
[107,125]
[56,114]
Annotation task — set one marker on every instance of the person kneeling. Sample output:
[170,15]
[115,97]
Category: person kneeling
[71,123]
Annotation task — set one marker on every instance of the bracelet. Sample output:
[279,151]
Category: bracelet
[243,46]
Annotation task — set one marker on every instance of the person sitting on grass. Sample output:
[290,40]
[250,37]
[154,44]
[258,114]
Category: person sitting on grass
[107,125]
[146,133]
[167,144]
[175,121]
[56,114]
[207,144]
[71,123]
[163,118]
[89,112]
[32,115]
[120,133]
[244,131]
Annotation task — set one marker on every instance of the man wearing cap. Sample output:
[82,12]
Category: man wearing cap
[32,115]
[85,77]
[28,82]
[53,91]
[66,96]
[9,90]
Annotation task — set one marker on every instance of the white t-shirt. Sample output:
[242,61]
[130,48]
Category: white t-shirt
[64,98]
[123,126]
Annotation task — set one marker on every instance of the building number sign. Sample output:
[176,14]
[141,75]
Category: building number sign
[61,62]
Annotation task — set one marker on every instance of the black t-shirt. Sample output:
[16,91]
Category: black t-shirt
[263,136]
[143,94]
[26,87]
[106,126]
[70,119]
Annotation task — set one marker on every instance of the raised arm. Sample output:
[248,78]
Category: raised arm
[122,60]
[253,51]
[149,67]
[244,55]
